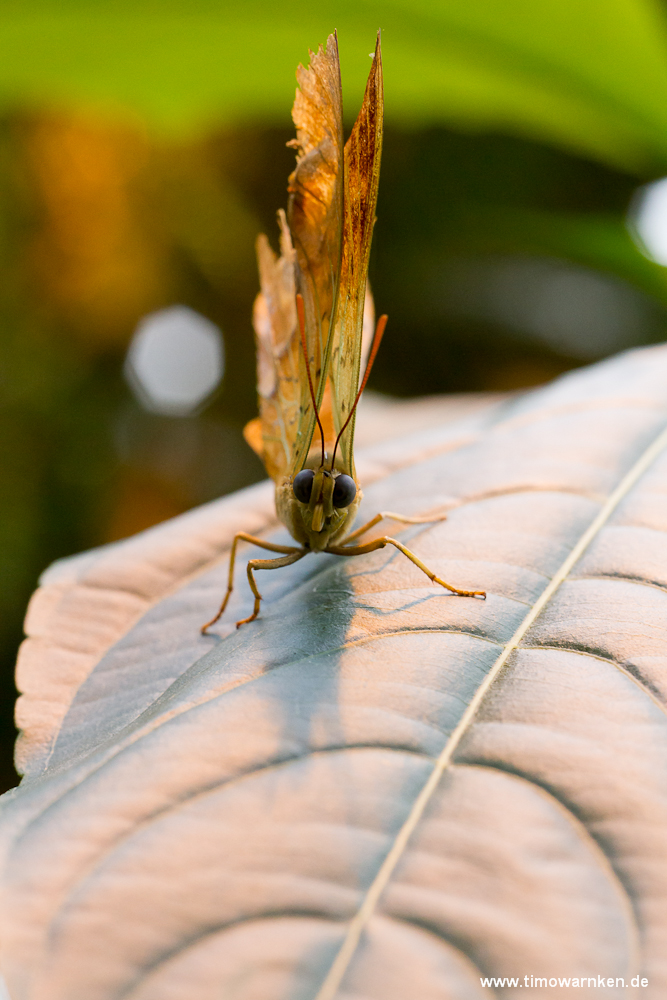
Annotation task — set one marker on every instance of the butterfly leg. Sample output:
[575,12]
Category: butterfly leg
[242,536]
[380,543]
[394,517]
[267,564]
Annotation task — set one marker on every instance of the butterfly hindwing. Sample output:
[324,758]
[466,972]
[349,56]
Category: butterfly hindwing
[273,434]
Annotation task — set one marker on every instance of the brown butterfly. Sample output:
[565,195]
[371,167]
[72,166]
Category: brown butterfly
[310,318]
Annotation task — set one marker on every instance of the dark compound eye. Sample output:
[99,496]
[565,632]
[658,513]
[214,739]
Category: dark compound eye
[303,485]
[344,492]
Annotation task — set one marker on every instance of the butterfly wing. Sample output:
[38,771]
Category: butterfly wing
[324,256]
[309,263]
[315,216]
[272,434]
[361,176]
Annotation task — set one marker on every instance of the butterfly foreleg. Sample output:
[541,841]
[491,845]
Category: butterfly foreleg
[394,517]
[380,543]
[254,564]
[242,536]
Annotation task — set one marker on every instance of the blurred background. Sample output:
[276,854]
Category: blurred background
[522,231]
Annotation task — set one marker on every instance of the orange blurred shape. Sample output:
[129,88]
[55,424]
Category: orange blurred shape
[141,501]
[97,255]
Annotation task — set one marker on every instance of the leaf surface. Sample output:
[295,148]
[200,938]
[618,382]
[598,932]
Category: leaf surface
[376,790]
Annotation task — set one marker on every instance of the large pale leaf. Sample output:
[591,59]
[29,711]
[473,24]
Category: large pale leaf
[377,790]
[588,74]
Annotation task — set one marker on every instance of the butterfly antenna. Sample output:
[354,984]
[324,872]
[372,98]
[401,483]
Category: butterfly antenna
[301,313]
[375,346]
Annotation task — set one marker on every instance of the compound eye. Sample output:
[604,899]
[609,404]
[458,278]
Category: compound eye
[303,485]
[344,492]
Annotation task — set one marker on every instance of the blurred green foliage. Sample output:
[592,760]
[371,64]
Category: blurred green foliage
[590,75]
[142,147]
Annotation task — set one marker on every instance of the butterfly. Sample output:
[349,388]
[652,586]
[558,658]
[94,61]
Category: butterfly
[313,321]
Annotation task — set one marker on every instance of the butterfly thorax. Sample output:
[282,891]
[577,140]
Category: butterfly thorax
[317,523]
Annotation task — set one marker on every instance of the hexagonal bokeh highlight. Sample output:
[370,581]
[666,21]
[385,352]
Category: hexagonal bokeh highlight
[648,220]
[175,361]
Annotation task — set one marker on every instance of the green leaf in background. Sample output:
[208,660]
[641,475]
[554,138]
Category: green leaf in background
[590,239]
[585,74]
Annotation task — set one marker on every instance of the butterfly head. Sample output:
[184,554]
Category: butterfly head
[318,504]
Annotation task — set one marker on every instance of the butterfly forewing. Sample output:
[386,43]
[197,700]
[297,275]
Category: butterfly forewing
[315,216]
[361,176]
[324,256]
